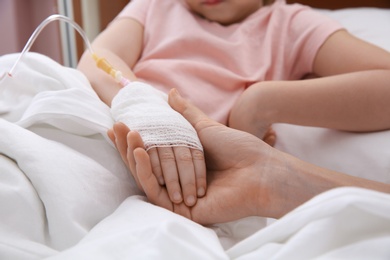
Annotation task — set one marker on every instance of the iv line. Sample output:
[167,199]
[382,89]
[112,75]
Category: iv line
[43,24]
[100,62]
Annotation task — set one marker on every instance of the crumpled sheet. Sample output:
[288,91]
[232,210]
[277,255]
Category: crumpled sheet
[66,194]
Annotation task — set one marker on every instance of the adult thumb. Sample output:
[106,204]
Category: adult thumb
[189,111]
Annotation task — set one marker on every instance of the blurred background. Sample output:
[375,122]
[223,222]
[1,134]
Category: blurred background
[19,18]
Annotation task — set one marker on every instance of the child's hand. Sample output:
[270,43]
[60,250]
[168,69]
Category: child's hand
[181,169]
[172,143]
[248,116]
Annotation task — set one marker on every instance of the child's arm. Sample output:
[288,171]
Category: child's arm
[352,94]
[121,43]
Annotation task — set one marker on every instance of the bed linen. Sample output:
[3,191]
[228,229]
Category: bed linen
[65,193]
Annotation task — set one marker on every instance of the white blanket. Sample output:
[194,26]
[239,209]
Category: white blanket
[66,194]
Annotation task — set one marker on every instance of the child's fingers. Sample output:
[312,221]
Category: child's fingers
[169,170]
[156,166]
[156,193]
[200,172]
[186,171]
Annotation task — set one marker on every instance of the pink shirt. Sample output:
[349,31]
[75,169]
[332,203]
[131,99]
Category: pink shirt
[213,64]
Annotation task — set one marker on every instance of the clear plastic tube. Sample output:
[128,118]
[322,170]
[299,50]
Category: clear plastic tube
[100,62]
[41,26]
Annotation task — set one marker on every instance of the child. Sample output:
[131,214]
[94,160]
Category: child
[213,50]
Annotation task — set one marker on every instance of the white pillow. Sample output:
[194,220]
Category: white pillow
[365,155]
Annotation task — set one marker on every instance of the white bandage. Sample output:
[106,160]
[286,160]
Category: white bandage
[146,110]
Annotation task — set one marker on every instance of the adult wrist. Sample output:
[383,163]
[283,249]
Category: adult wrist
[285,183]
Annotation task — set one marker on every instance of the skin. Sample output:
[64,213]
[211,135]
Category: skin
[246,177]
[225,12]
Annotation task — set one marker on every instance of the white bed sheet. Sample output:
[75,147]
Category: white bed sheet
[65,193]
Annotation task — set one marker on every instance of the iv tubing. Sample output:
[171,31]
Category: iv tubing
[35,34]
[100,62]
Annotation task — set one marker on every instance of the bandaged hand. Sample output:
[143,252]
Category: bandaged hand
[173,146]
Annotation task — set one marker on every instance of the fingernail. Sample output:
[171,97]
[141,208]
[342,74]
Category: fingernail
[201,192]
[190,200]
[176,196]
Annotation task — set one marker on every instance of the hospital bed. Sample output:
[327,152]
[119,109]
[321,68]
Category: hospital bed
[65,193]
